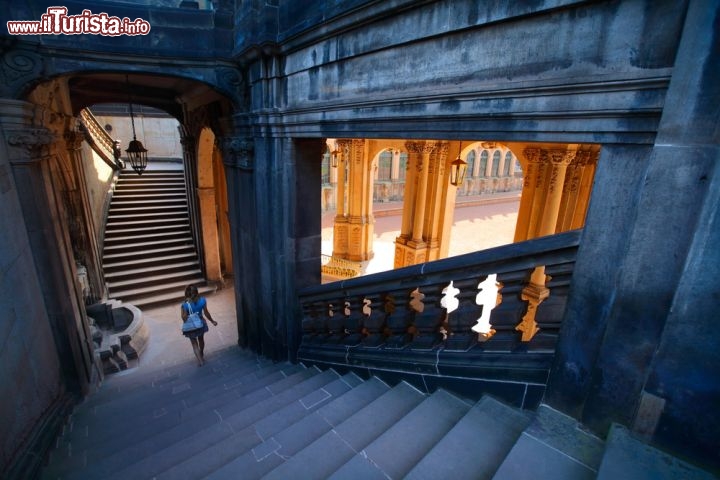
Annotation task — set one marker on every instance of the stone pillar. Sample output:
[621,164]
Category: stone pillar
[556,161]
[340,226]
[239,161]
[82,227]
[531,184]
[428,205]
[31,151]
[359,208]
[209,233]
[414,162]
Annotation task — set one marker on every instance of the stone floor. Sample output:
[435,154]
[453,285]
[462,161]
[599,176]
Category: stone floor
[167,346]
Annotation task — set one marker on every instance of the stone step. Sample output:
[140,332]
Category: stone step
[553,446]
[146,248]
[402,446]
[477,444]
[104,461]
[247,426]
[169,205]
[153,251]
[154,279]
[117,386]
[171,398]
[170,234]
[152,270]
[151,224]
[143,291]
[140,192]
[142,244]
[148,262]
[350,436]
[628,458]
[161,182]
[171,296]
[177,214]
[279,447]
[145,230]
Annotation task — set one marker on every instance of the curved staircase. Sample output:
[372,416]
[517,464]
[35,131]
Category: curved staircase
[244,417]
[149,256]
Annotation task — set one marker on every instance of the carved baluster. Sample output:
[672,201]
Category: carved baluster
[464,317]
[508,314]
[353,318]
[427,323]
[322,333]
[373,320]
[311,312]
[399,317]
[336,321]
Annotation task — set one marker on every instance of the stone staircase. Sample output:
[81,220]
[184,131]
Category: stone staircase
[241,416]
[149,256]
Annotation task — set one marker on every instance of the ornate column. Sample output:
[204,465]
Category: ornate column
[536,292]
[340,225]
[209,233]
[33,156]
[359,208]
[414,162]
[410,247]
[81,226]
[440,203]
[531,183]
[587,162]
[238,159]
[428,205]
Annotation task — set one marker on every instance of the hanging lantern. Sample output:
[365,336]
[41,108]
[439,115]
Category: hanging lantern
[136,153]
[457,169]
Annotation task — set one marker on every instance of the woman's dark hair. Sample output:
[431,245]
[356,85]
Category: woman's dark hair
[190,291]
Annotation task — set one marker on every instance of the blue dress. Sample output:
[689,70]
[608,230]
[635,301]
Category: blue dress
[197,307]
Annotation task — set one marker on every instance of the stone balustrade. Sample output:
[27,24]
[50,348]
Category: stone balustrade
[454,317]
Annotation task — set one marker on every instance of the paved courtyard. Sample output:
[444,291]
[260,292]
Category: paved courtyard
[489,222]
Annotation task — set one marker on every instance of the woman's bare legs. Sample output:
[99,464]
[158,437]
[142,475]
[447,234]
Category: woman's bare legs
[201,344]
[197,351]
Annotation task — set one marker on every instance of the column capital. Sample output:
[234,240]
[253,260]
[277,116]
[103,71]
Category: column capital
[28,145]
[533,155]
[239,152]
[560,156]
[73,139]
[421,147]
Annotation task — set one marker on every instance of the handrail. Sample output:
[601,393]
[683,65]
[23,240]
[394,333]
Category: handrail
[404,317]
[99,140]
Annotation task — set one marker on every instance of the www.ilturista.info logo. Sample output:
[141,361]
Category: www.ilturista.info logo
[57,22]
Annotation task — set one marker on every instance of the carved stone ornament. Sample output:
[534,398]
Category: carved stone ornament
[26,145]
[16,67]
[239,152]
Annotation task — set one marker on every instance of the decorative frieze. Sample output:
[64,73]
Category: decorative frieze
[28,145]
[239,152]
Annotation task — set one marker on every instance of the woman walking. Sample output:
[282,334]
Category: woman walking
[194,303]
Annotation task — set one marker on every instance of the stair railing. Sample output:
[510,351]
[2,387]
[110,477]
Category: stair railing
[96,136]
[459,314]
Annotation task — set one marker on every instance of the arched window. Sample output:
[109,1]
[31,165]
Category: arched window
[508,164]
[470,163]
[325,168]
[496,163]
[385,166]
[483,163]
[402,166]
